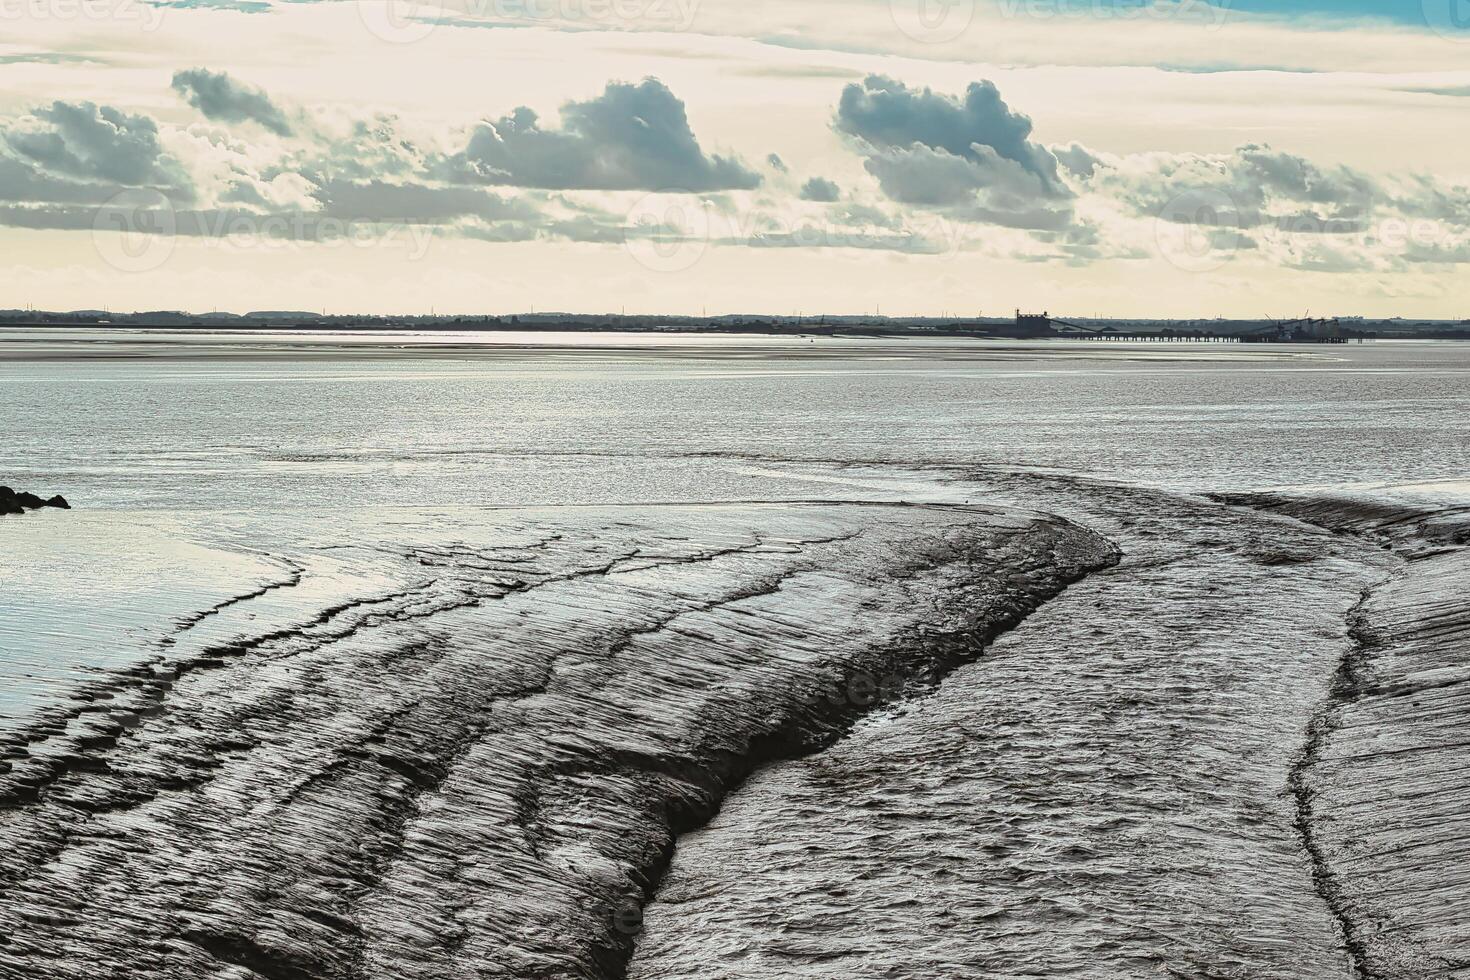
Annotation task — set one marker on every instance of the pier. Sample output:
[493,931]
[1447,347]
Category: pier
[1307,330]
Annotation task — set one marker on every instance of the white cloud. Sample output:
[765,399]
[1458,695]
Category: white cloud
[1077,203]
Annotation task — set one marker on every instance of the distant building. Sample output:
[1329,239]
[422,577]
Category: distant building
[1033,323]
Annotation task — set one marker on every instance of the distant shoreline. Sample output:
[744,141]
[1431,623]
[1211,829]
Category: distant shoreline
[870,329]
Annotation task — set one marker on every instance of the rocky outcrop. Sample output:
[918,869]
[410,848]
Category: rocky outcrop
[18,502]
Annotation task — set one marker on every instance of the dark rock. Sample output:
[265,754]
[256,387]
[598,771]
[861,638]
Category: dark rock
[12,502]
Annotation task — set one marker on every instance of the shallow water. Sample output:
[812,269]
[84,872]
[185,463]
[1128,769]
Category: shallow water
[1116,788]
[239,430]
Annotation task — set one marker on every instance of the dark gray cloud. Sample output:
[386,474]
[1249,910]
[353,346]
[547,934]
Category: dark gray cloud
[970,157]
[1435,200]
[1252,187]
[222,98]
[1018,215]
[926,177]
[1078,161]
[632,137]
[820,189]
[62,164]
[22,182]
[993,191]
[50,217]
[91,142]
[980,128]
[1299,179]
[775,162]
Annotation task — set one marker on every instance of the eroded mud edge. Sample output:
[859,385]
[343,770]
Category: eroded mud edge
[1345,687]
[1386,865]
[907,668]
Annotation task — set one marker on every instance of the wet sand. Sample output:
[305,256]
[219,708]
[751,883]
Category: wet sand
[1104,794]
[1384,782]
[481,769]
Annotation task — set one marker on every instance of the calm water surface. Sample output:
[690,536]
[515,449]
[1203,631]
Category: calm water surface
[256,426]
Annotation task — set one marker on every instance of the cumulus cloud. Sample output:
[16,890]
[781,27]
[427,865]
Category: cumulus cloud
[23,183]
[368,149]
[940,165]
[979,128]
[1287,210]
[820,189]
[927,177]
[82,139]
[1077,160]
[61,163]
[222,98]
[632,137]
[970,156]
[1252,186]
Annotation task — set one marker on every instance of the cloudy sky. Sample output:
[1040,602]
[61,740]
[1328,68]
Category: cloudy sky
[1124,157]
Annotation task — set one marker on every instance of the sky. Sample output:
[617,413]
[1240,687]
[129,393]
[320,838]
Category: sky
[1176,158]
